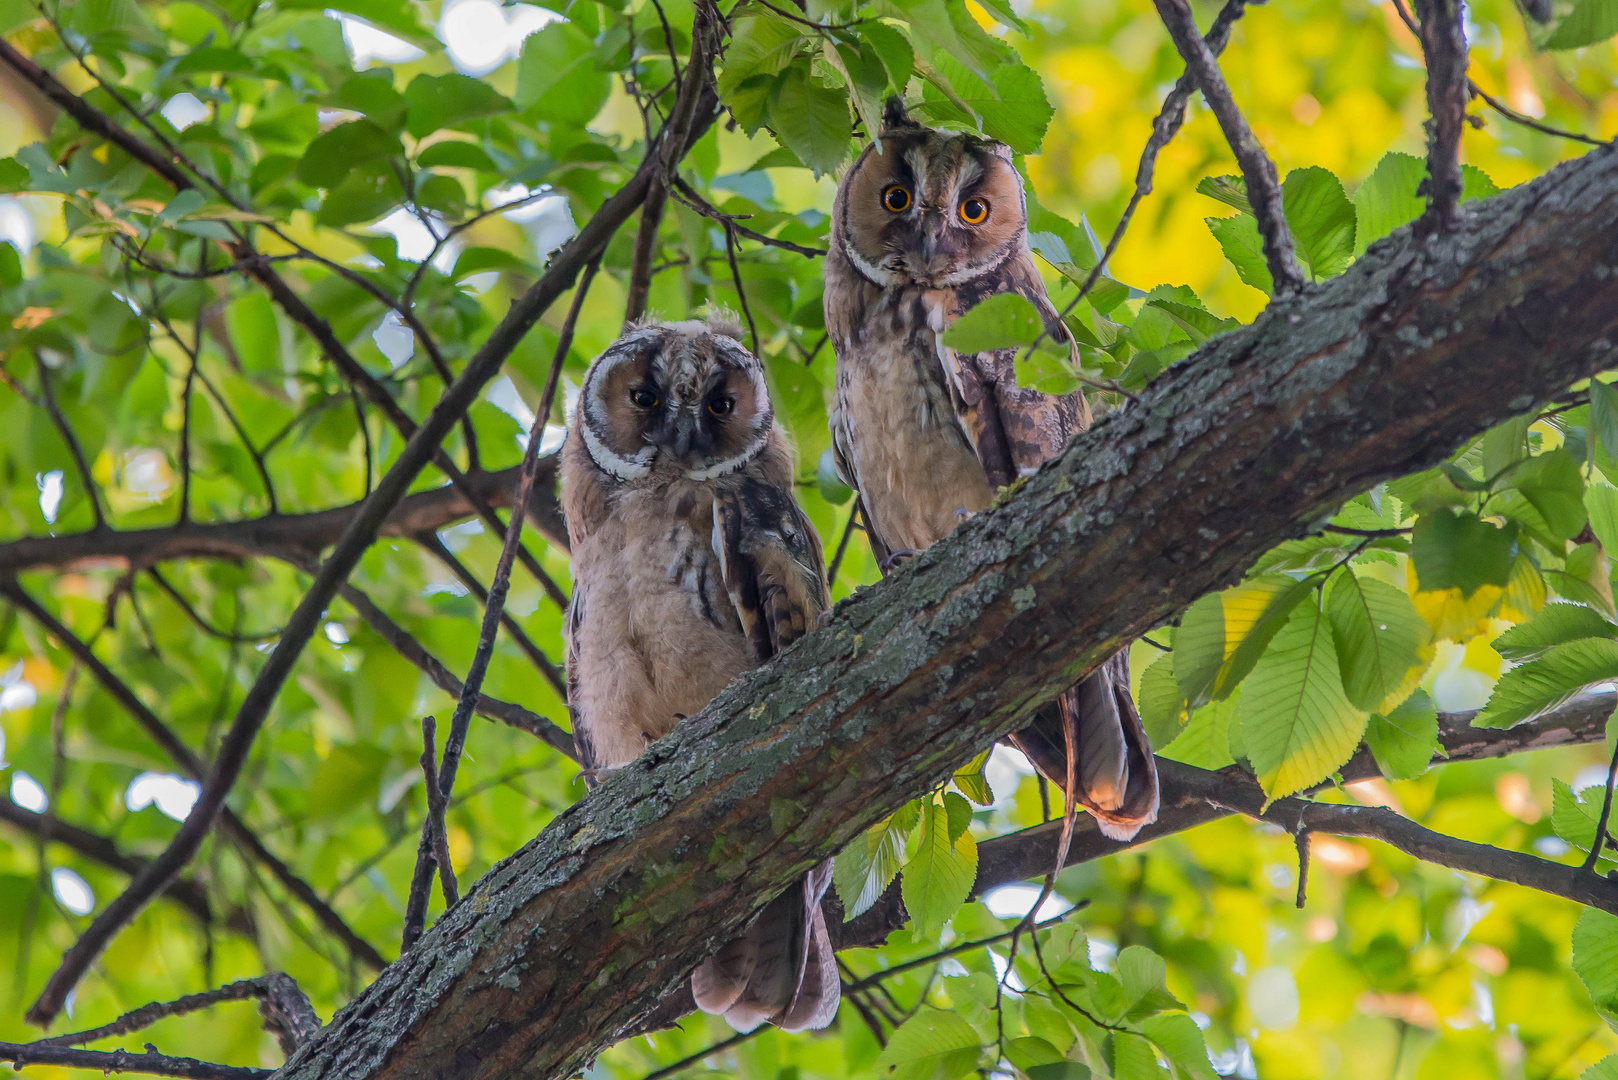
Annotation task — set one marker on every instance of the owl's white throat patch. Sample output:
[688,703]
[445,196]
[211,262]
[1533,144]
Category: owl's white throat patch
[622,466]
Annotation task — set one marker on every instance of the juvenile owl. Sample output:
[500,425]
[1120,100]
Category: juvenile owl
[691,564]
[922,231]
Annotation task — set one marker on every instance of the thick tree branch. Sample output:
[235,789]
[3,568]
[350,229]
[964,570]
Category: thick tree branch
[1263,187]
[281,535]
[575,938]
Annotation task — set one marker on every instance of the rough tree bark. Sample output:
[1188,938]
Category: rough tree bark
[576,937]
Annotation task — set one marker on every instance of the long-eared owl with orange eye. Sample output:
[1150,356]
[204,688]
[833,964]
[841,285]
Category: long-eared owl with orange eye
[927,224]
[692,563]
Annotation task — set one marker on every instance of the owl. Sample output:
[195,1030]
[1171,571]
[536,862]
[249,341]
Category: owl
[927,224]
[691,564]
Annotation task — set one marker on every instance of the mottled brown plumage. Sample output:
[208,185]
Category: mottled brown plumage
[691,564]
[926,225]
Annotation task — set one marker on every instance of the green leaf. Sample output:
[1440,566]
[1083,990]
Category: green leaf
[214,58]
[1230,190]
[1540,685]
[1556,624]
[1059,1070]
[1003,321]
[1588,22]
[828,482]
[958,813]
[13,175]
[1239,239]
[476,260]
[333,155]
[894,49]
[255,335]
[1046,369]
[1222,636]
[972,782]
[1604,415]
[932,1045]
[1551,482]
[1601,503]
[947,25]
[1376,632]
[395,16]
[557,77]
[864,870]
[939,876]
[1454,549]
[372,93]
[1133,1059]
[759,45]
[1573,818]
[1388,199]
[811,120]
[440,101]
[1162,706]
[1297,724]
[1595,957]
[10,265]
[1404,741]
[1605,1069]
[1195,321]
[1141,971]
[1180,1040]
[442,193]
[364,195]
[454,154]
[1011,104]
[1322,221]
[1205,739]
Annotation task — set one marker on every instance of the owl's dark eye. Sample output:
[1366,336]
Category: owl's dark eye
[974,211]
[721,405]
[642,397]
[896,197]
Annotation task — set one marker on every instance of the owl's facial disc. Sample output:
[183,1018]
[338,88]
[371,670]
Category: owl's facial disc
[675,399]
[933,209]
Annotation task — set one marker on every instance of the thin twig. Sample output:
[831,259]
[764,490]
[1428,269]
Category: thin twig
[365,437]
[842,547]
[692,1059]
[736,278]
[120,1061]
[203,624]
[1606,811]
[1301,839]
[147,1015]
[455,741]
[1263,186]
[77,451]
[1373,534]
[688,195]
[1443,43]
[435,830]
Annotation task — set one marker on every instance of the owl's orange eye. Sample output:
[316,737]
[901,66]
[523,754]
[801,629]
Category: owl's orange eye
[721,405]
[896,197]
[642,398]
[974,211]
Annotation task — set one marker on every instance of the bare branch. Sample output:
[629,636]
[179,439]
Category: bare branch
[196,617]
[736,279]
[688,195]
[1263,187]
[1443,41]
[295,1020]
[640,268]
[150,1063]
[455,741]
[65,429]
[299,536]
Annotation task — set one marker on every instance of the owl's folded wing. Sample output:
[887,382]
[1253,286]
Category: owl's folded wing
[589,761]
[770,559]
[1014,429]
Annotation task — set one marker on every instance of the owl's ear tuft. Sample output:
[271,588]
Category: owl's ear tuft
[723,322]
[895,115]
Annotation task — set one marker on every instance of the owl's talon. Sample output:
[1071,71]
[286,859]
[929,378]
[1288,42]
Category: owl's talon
[887,565]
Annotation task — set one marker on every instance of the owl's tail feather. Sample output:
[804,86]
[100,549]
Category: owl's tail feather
[1116,773]
[782,970]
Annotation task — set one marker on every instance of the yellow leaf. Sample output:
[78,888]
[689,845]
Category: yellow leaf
[1525,591]
[1447,612]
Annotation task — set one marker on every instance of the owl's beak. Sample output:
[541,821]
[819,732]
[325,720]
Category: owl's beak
[685,432]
